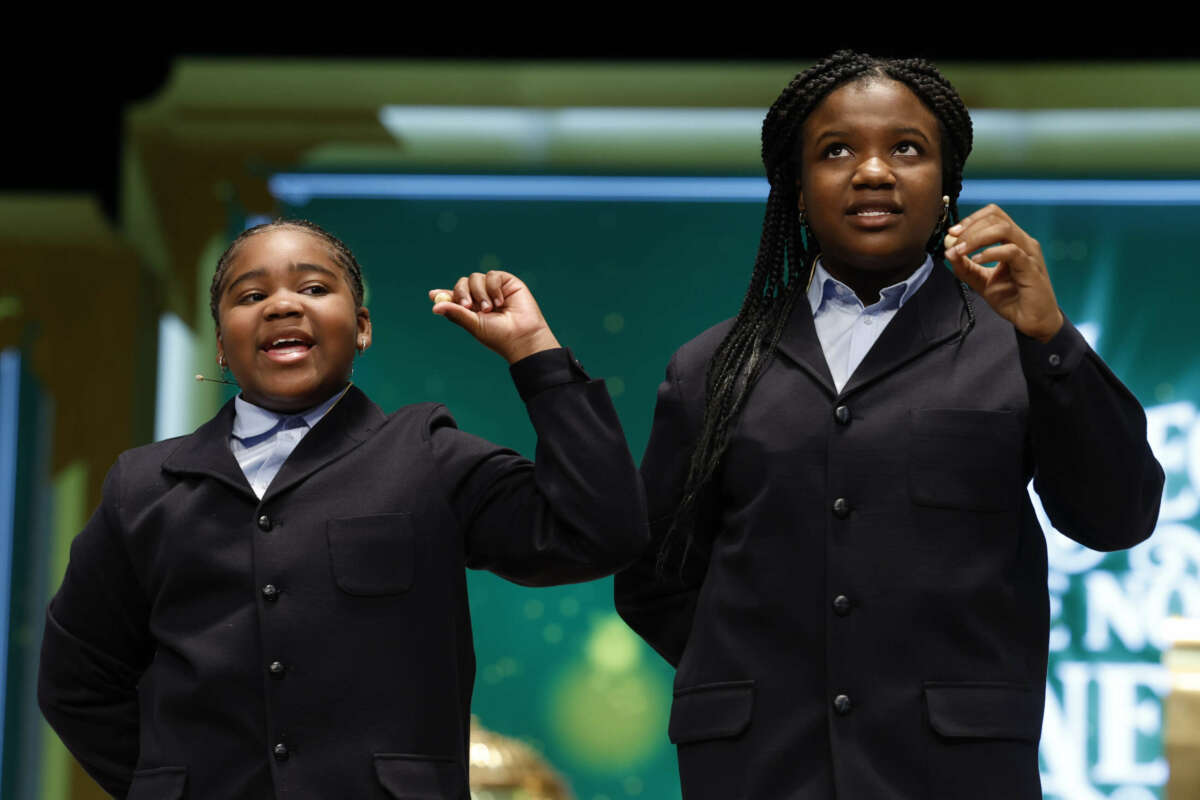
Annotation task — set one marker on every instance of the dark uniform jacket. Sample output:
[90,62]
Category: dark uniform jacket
[317,643]
[866,613]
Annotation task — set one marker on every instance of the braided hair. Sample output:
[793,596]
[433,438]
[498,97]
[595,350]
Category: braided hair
[788,247]
[338,251]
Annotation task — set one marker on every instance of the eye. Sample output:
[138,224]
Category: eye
[908,149]
[836,151]
[252,297]
[315,289]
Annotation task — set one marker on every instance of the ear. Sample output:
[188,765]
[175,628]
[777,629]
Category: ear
[799,196]
[363,337]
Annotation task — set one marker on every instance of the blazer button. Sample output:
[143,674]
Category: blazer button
[264,523]
[841,509]
[1055,359]
[842,415]
[270,592]
[276,668]
[281,752]
[841,704]
[841,605]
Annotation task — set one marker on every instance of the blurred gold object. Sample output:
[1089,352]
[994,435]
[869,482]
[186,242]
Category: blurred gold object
[443,297]
[1181,731]
[503,768]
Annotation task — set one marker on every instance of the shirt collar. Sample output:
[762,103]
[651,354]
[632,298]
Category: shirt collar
[250,420]
[824,286]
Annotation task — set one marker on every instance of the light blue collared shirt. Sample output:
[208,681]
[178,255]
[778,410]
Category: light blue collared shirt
[262,440]
[845,328]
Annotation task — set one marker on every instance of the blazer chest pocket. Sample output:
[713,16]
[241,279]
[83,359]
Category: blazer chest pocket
[372,556]
[162,783]
[966,459]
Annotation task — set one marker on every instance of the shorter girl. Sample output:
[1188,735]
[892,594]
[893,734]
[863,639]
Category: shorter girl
[275,605]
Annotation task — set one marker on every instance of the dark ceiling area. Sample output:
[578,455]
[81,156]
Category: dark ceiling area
[66,103]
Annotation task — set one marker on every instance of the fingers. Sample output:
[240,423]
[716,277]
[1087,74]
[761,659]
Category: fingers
[987,226]
[494,284]
[480,291]
[462,292]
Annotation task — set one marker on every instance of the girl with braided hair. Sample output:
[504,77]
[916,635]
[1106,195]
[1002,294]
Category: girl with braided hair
[846,569]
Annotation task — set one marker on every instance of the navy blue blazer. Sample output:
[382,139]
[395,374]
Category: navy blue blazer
[866,615]
[316,643]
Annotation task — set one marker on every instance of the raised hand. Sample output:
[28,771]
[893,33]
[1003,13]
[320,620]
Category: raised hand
[1018,286]
[498,309]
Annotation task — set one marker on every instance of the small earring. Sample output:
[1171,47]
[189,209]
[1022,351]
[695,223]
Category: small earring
[945,211]
[221,360]
[362,345]
[803,218]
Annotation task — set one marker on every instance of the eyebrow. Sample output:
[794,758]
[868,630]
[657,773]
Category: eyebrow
[259,272]
[897,131]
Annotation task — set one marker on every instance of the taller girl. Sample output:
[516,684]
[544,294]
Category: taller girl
[847,570]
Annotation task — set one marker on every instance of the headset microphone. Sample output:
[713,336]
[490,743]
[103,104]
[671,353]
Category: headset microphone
[200,377]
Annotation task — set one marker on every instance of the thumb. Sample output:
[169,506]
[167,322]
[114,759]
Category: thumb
[462,317]
[969,272]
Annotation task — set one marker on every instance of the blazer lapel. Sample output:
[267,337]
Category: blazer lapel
[206,452]
[347,425]
[931,317]
[799,342]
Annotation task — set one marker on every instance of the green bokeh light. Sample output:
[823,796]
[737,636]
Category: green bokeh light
[608,709]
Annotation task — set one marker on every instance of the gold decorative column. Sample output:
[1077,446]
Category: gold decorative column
[1181,730]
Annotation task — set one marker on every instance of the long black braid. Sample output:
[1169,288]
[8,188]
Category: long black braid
[338,250]
[788,248]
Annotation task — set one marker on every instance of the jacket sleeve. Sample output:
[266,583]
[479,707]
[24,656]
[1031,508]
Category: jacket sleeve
[577,512]
[95,648]
[659,601]
[1093,468]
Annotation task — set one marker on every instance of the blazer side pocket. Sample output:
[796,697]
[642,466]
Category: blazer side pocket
[711,711]
[161,783]
[984,710]
[372,556]
[420,777]
[966,459]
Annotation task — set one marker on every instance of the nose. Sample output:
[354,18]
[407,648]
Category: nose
[282,303]
[873,173]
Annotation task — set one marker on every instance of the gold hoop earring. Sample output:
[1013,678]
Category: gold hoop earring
[945,212]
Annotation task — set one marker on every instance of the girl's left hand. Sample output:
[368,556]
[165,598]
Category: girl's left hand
[498,309]
[1018,287]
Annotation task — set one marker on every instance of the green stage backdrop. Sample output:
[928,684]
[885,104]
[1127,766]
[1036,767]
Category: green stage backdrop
[624,283]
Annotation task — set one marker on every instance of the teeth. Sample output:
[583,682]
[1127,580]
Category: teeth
[873,213]
[279,342]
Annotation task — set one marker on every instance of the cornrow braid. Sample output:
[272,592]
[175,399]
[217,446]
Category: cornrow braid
[338,250]
[787,250]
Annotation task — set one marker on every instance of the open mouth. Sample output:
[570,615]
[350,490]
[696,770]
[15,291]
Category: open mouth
[287,348]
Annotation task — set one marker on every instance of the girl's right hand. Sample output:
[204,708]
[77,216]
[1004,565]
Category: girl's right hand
[498,309]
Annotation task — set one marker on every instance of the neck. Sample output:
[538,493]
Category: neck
[867,283]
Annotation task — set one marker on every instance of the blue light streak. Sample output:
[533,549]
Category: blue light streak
[298,189]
